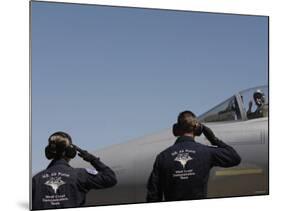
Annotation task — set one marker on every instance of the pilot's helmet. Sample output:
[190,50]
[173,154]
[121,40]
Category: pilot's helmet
[259,97]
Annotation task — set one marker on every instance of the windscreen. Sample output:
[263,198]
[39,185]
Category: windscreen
[226,111]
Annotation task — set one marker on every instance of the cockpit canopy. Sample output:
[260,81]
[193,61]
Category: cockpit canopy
[238,107]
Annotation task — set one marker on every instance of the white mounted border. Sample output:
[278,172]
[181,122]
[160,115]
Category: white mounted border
[14,86]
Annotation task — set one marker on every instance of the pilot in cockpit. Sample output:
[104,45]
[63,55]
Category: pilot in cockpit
[262,107]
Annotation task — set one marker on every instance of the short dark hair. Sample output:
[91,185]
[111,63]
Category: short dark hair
[60,137]
[58,142]
[187,121]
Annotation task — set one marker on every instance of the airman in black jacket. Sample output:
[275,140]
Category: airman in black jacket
[60,185]
[181,171]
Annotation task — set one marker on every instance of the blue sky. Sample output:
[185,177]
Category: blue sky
[107,75]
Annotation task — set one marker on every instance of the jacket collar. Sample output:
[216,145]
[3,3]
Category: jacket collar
[58,162]
[184,139]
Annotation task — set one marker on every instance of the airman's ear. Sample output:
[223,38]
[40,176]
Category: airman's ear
[198,129]
[176,130]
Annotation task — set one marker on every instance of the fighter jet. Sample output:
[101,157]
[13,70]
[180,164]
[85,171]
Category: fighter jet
[132,161]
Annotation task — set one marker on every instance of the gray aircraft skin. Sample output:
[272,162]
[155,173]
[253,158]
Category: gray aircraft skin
[132,161]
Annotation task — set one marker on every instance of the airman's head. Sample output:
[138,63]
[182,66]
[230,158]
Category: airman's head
[60,146]
[187,124]
[259,97]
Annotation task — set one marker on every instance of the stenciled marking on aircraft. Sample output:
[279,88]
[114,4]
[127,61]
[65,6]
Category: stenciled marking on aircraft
[233,172]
